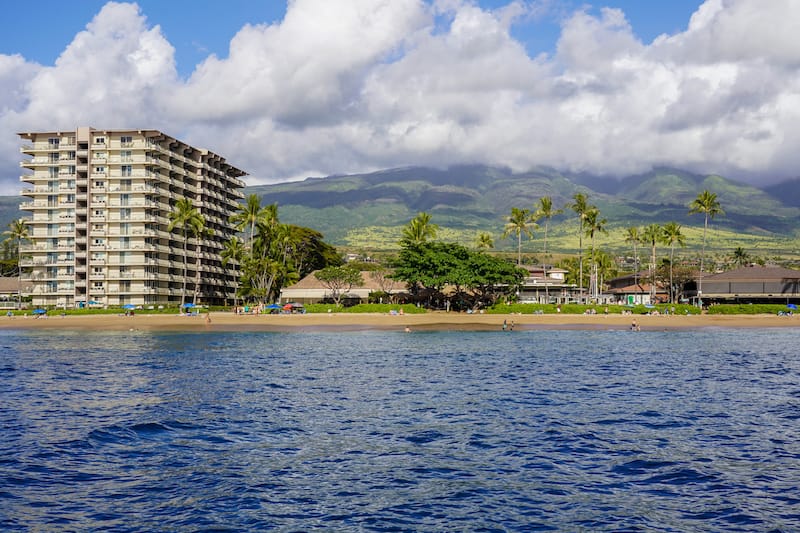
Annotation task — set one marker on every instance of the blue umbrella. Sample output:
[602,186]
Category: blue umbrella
[129,306]
[791,306]
[273,306]
[39,311]
[188,304]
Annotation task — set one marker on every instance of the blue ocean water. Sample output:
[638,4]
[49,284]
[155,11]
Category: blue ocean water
[386,431]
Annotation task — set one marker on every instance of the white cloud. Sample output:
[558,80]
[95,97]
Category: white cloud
[355,85]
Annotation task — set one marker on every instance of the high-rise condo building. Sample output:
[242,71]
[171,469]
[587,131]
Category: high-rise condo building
[99,203]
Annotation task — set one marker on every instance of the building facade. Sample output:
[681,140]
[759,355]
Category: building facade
[99,204]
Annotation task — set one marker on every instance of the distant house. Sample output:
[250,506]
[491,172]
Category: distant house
[311,290]
[543,283]
[634,288]
[8,291]
[752,284]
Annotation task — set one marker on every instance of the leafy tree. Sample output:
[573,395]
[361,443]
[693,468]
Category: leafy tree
[185,217]
[581,208]
[653,235]
[250,214]
[18,231]
[339,280]
[234,251]
[672,235]
[740,257]
[546,210]
[633,235]
[419,229]
[594,225]
[382,276]
[520,222]
[484,241]
[707,204]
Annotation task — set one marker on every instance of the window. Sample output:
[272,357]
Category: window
[124,199]
[100,184]
[126,170]
[53,142]
[99,242]
[99,213]
[124,242]
[124,228]
[124,269]
[126,156]
[100,170]
[98,227]
[53,172]
[99,140]
[125,286]
[54,157]
[97,285]
[126,141]
[98,270]
[125,213]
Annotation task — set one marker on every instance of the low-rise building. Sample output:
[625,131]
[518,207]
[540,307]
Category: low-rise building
[752,284]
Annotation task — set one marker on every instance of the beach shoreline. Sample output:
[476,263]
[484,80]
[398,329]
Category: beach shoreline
[433,321]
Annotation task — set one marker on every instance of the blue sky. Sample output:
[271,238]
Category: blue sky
[322,87]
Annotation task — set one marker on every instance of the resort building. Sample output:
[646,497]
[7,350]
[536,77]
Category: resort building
[99,204]
[750,284]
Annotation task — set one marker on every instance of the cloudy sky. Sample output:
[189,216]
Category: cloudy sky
[319,87]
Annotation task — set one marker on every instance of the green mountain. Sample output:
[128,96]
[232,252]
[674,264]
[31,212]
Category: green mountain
[367,211]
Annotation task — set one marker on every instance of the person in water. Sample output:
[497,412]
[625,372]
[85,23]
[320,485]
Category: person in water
[635,325]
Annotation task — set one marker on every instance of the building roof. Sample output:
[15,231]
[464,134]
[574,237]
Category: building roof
[311,282]
[756,273]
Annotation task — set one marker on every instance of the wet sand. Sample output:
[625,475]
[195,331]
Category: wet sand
[354,322]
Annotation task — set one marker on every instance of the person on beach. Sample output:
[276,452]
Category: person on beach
[208,318]
[505,325]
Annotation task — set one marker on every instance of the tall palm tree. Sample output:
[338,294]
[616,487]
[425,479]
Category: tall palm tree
[581,207]
[519,223]
[18,231]
[546,210]
[707,204]
[740,256]
[652,235]
[233,252]
[249,214]
[419,229]
[184,217]
[672,235]
[634,236]
[484,241]
[594,225]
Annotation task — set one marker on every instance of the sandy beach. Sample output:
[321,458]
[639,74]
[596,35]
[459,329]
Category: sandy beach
[353,322]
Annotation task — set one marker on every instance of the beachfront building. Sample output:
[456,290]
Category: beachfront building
[546,284]
[310,290]
[99,204]
[750,284]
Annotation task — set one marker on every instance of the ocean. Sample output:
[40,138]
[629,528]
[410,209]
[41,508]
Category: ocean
[552,430]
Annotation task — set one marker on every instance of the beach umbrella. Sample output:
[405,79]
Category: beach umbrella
[273,306]
[129,306]
[39,311]
[188,305]
[791,306]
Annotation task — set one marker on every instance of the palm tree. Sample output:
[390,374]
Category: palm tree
[184,217]
[740,257]
[18,231]
[545,210]
[634,236]
[519,222]
[706,203]
[672,236]
[419,229]
[581,207]
[594,225]
[249,214]
[484,241]
[233,251]
[652,235]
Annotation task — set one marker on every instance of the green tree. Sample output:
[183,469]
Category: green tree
[633,235]
[740,257]
[185,217]
[484,241]
[419,229]
[581,208]
[546,210]
[18,232]
[653,235]
[707,204]
[594,225]
[339,280]
[234,252]
[519,223]
[250,214]
[672,236]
